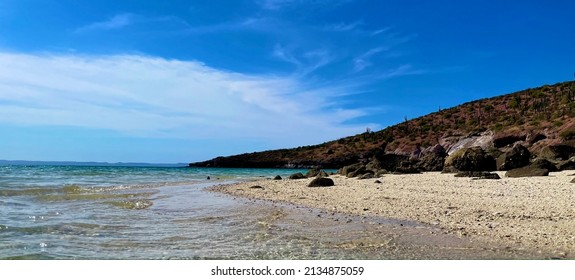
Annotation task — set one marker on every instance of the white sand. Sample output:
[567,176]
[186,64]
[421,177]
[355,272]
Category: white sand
[533,213]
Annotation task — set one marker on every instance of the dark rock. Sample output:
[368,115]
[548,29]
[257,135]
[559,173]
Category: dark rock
[277,177]
[431,162]
[527,171]
[297,176]
[567,165]
[478,175]
[391,162]
[573,181]
[557,152]
[366,176]
[544,164]
[517,157]
[379,182]
[312,172]
[438,150]
[381,172]
[350,168]
[534,138]
[257,187]
[358,172]
[322,174]
[407,167]
[470,159]
[374,165]
[506,139]
[321,182]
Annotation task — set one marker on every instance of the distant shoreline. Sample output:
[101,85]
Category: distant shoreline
[89,163]
[535,214]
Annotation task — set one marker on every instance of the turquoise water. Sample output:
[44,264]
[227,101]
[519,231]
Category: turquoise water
[82,212]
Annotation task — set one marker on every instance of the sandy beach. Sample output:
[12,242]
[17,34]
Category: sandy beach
[534,213]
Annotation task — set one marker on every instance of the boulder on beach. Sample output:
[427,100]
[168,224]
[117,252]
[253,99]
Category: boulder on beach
[407,167]
[544,164]
[374,165]
[567,164]
[469,159]
[312,172]
[392,161]
[517,157]
[277,177]
[321,182]
[527,171]
[478,175]
[431,162]
[297,176]
[557,152]
[346,170]
[366,176]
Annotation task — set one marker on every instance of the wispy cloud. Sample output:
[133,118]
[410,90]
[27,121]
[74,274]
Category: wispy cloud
[154,97]
[116,22]
[281,4]
[340,27]
[363,61]
[306,62]
[402,70]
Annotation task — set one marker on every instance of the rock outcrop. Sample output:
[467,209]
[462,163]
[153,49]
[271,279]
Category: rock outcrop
[469,159]
[517,157]
[557,152]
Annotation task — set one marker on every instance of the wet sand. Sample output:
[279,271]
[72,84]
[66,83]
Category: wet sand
[480,219]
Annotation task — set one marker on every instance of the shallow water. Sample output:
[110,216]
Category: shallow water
[79,212]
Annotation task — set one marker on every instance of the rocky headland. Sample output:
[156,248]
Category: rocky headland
[529,133]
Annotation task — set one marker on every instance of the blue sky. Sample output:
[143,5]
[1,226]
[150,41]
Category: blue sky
[182,81]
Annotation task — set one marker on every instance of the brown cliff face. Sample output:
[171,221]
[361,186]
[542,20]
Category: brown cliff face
[536,118]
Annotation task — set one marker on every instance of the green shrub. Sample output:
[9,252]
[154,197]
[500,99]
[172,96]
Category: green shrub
[567,135]
[558,123]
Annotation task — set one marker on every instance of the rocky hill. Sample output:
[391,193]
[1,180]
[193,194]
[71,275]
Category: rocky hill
[540,119]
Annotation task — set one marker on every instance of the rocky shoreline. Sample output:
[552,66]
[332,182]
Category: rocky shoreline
[527,213]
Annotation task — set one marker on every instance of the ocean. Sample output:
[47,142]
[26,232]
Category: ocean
[112,212]
[139,213]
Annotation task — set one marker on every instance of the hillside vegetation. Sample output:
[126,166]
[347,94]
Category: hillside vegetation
[536,117]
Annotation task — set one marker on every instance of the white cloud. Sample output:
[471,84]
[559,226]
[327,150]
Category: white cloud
[153,97]
[116,22]
[281,4]
[341,27]
[402,70]
[363,61]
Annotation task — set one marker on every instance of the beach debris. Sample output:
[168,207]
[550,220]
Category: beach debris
[297,176]
[321,182]
[277,177]
[257,187]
